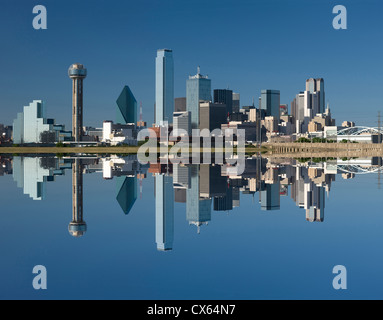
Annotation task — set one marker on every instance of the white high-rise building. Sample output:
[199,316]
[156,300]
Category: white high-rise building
[181,123]
[31,123]
[164,87]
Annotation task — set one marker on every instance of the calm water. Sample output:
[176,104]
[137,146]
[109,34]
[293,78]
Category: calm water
[109,228]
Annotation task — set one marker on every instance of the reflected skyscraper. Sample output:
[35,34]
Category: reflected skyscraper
[198,210]
[164,212]
[77,226]
[32,176]
[270,197]
[126,192]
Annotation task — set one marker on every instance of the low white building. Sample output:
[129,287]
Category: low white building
[31,123]
[116,134]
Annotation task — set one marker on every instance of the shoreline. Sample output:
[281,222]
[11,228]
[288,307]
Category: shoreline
[287,150]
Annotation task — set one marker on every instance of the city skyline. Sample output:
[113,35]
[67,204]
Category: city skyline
[206,188]
[191,150]
[336,61]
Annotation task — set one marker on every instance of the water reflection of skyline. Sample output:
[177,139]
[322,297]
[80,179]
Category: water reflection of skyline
[202,188]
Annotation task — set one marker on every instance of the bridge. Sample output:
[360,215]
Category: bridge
[359,130]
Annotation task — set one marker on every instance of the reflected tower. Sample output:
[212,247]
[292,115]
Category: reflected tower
[77,73]
[77,227]
[164,212]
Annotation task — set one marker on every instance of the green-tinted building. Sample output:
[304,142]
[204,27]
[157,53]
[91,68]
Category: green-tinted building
[126,192]
[126,107]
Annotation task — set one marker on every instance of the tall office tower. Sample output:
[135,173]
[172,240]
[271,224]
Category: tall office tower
[314,202]
[224,96]
[180,104]
[164,87]
[181,176]
[77,73]
[198,210]
[236,102]
[164,212]
[317,85]
[181,120]
[126,107]
[270,102]
[236,197]
[198,88]
[77,227]
[270,197]
[212,115]
[224,203]
[305,107]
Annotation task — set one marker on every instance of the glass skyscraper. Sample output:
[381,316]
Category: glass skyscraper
[270,197]
[164,86]
[270,102]
[126,107]
[164,212]
[198,88]
[126,192]
[224,96]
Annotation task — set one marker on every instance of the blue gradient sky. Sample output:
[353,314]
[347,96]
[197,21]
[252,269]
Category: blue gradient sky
[246,45]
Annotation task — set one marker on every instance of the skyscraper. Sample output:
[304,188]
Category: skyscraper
[198,210]
[126,192]
[270,198]
[224,96]
[77,73]
[198,88]
[212,115]
[126,107]
[236,102]
[164,212]
[164,86]
[180,104]
[317,85]
[270,102]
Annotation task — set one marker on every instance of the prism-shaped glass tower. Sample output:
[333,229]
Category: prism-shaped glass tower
[126,107]
[126,192]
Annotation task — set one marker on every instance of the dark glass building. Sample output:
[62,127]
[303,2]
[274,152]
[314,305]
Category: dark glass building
[126,192]
[224,96]
[126,107]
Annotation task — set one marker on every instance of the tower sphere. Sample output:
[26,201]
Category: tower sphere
[77,229]
[77,70]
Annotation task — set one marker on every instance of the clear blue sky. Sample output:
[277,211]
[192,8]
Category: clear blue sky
[246,45]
